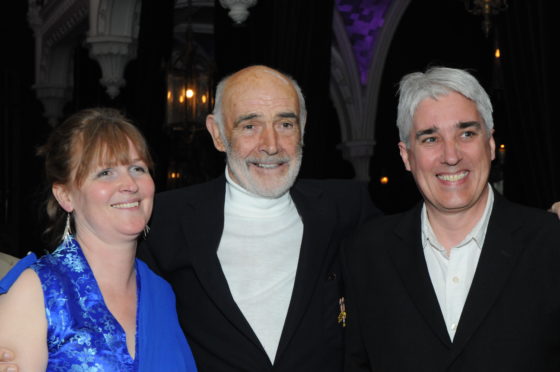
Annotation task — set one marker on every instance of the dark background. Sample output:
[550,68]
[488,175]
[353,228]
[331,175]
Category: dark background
[295,36]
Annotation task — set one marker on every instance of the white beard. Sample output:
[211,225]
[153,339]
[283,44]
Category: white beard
[240,168]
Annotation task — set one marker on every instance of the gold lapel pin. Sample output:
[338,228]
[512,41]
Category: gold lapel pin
[342,314]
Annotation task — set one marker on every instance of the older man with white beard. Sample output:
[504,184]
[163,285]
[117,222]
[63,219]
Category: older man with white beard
[252,255]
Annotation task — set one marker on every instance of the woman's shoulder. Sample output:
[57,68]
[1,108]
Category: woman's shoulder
[26,284]
[21,285]
[16,271]
[30,272]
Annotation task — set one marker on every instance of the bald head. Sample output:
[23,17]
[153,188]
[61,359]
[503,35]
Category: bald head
[246,79]
[257,73]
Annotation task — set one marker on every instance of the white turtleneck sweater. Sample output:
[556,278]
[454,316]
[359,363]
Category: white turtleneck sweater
[259,253]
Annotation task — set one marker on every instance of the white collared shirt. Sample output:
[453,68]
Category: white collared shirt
[452,274]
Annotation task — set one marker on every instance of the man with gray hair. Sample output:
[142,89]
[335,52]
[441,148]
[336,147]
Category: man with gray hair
[465,281]
[252,255]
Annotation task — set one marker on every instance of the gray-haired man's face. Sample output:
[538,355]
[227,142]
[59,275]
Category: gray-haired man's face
[262,132]
[449,153]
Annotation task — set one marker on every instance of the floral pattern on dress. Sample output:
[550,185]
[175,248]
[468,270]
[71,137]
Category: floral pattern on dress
[82,333]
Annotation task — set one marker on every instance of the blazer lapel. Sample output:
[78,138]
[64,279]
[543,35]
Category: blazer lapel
[203,228]
[496,262]
[411,264]
[319,219]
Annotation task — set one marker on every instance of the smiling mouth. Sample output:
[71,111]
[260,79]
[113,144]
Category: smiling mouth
[126,205]
[268,165]
[452,177]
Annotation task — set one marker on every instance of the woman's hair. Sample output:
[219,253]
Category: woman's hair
[82,142]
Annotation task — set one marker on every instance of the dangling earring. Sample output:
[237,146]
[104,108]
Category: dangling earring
[66,235]
[146,231]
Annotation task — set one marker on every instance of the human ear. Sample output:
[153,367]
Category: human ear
[62,196]
[214,129]
[492,145]
[404,155]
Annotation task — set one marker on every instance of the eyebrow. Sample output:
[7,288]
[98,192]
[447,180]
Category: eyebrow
[281,115]
[461,125]
[426,132]
[287,115]
[243,118]
[469,124]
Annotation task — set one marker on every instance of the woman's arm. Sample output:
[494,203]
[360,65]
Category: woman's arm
[23,325]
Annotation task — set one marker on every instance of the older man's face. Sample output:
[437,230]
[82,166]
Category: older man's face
[449,154]
[262,132]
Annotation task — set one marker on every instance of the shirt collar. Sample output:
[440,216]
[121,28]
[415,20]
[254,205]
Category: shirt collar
[477,234]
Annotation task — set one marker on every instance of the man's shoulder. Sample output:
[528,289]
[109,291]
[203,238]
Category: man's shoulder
[351,198]
[336,189]
[381,227]
[331,183]
[514,216]
[193,192]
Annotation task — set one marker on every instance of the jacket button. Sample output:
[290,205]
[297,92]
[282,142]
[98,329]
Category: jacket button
[332,276]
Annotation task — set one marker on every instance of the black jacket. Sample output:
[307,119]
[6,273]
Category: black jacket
[182,245]
[511,318]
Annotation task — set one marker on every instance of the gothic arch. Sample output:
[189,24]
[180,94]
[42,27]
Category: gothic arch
[356,104]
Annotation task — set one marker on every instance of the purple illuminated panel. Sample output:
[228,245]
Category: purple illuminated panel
[363,20]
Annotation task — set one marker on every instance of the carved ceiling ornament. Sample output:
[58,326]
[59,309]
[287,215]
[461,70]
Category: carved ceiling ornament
[238,9]
[56,26]
[113,39]
[59,26]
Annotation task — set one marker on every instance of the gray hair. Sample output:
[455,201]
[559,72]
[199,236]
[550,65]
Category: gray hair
[434,83]
[220,88]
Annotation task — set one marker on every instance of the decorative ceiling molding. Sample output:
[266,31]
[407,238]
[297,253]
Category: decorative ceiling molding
[60,26]
[113,39]
[238,9]
[56,27]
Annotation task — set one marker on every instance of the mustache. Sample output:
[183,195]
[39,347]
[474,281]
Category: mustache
[274,159]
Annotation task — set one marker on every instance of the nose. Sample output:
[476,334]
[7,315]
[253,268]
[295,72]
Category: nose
[451,153]
[269,141]
[128,183]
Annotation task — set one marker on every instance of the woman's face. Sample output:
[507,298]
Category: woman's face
[114,202]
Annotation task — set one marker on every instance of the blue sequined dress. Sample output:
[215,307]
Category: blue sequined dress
[82,333]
